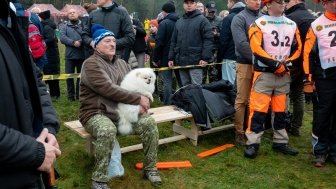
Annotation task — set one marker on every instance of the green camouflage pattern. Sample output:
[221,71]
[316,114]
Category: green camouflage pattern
[104,132]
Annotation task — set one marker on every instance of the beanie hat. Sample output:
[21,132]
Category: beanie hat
[154,23]
[98,33]
[168,7]
[45,14]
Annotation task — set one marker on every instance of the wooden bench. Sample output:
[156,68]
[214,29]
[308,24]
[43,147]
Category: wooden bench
[160,115]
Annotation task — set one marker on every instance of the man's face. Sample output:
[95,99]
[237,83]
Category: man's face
[189,6]
[211,14]
[330,6]
[276,7]
[107,46]
[200,7]
[253,4]
[72,15]
[101,3]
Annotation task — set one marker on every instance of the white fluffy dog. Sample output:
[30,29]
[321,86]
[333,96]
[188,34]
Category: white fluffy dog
[141,80]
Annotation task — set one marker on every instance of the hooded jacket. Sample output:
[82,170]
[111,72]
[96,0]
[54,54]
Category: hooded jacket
[26,108]
[192,40]
[163,39]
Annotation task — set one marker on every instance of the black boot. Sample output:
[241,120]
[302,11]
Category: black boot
[251,151]
[285,149]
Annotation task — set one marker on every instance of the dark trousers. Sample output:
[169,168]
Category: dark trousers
[297,97]
[168,84]
[70,67]
[324,114]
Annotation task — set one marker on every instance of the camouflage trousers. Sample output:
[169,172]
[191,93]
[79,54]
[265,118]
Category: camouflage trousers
[104,131]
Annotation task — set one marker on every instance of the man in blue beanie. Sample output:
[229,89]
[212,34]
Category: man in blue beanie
[99,96]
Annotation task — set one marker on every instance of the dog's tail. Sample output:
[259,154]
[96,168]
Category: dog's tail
[124,126]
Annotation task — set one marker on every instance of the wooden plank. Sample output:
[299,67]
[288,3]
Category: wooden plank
[214,150]
[161,141]
[82,132]
[167,165]
[184,131]
[73,124]
[216,129]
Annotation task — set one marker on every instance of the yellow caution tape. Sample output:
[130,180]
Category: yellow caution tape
[72,76]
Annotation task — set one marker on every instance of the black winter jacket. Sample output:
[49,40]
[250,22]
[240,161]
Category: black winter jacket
[115,19]
[227,47]
[140,43]
[192,40]
[303,18]
[70,33]
[25,110]
[49,35]
[163,39]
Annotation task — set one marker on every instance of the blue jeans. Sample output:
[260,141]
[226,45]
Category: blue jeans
[229,71]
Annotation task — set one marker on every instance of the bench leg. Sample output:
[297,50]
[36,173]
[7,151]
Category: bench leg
[194,129]
[192,133]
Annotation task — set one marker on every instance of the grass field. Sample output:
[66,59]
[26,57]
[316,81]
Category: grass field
[228,169]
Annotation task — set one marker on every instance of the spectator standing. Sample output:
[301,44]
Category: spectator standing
[275,43]
[191,44]
[320,62]
[161,49]
[74,52]
[101,76]
[296,11]
[139,47]
[116,19]
[244,71]
[53,66]
[226,49]
[26,148]
[89,7]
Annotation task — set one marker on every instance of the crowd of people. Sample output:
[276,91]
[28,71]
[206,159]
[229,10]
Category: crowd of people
[269,50]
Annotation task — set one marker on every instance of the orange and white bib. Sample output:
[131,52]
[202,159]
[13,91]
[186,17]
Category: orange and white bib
[325,32]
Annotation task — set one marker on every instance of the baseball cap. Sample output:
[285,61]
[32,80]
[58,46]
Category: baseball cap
[211,6]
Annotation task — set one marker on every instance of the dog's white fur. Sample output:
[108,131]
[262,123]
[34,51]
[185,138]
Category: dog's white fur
[141,80]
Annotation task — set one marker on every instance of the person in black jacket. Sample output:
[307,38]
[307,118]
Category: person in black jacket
[25,110]
[296,11]
[161,49]
[53,66]
[191,44]
[226,48]
[139,47]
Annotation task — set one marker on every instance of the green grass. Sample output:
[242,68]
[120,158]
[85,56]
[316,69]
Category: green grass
[228,169]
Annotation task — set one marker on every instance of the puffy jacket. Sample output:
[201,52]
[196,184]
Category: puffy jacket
[140,43]
[192,40]
[70,33]
[163,39]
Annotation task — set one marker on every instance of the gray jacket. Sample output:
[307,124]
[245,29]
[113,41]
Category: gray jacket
[239,27]
[115,19]
[70,33]
[192,40]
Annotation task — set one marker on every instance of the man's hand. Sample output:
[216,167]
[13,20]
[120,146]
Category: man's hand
[171,64]
[281,70]
[51,139]
[144,102]
[203,63]
[142,110]
[51,152]
[77,44]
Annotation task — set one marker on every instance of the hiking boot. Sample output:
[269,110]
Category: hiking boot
[251,151]
[285,149]
[320,160]
[153,176]
[99,185]
[240,139]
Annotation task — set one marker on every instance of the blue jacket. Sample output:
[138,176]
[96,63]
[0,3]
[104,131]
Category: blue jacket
[70,33]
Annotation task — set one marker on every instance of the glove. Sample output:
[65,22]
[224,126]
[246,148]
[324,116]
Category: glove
[281,70]
[308,84]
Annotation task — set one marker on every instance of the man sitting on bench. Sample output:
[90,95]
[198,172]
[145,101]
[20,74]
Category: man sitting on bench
[99,95]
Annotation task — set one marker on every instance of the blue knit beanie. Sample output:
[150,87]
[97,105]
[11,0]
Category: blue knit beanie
[98,33]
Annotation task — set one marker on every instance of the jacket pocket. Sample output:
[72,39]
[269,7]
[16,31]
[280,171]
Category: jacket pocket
[194,55]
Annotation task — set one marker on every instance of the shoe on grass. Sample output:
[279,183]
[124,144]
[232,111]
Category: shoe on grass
[285,149]
[99,185]
[153,176]
[251,151]
[320,160]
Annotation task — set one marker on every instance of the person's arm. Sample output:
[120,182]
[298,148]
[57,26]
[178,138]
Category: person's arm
[240,38]
[127,35]
[171,56]
[208,40]
[225,36]
[19,150]
[160,42]
[296,47]
[48,35]
[86,34]
[140,31]
[98,80]
[64,38]
[308,53]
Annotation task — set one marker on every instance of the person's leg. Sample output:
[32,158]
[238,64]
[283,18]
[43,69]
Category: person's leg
[229,71]
[141,59]
[332,135]
[167,86]
[148,131]
[185,77]
[244,83]
[69,69]
[196,76]
[297,97]
[178,78]
[79,64]
[104,132]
